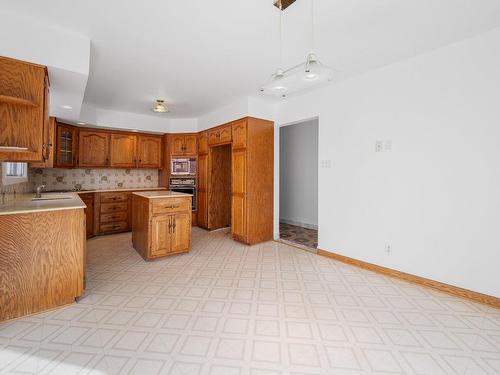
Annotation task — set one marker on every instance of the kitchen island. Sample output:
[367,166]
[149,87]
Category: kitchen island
[42,253]
[161,225]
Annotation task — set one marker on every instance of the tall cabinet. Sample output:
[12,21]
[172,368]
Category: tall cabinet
[252,180]
[252,177]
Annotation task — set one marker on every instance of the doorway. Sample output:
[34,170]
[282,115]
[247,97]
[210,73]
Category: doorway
[219,196]
[298,213]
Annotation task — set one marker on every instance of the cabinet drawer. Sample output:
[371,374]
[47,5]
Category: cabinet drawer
[114,217]
[171,205]
[107,208]
[114,227]
[114,197]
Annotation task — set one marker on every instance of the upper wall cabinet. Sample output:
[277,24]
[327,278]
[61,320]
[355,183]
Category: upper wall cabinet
[203,143]
[220,135]
[66,146]
[24,120]
[123,150]
[93,149]
[239,134]
[183,145]
[149,151]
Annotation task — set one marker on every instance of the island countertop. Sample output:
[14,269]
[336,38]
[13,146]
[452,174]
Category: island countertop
[24,203]
[162,194]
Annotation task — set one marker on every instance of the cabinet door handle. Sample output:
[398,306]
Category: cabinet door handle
[175,225]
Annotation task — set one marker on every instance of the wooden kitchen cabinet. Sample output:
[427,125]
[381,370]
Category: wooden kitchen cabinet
[240,134]
[149,151]
[203,170]
[221,135]
[66,149]
[93,150]
[88,199]
[49,148]
[161,225]
[24,95]
[203,143]
[252,180]
[184,144]
[123,150]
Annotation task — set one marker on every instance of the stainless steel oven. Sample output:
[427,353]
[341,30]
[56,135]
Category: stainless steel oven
[184,185]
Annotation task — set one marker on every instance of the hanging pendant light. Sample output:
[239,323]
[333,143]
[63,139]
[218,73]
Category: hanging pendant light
[300,77]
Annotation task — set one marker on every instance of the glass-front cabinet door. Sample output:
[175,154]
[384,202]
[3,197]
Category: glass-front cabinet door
[66,146]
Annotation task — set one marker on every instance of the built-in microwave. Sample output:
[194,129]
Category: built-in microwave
[183,167]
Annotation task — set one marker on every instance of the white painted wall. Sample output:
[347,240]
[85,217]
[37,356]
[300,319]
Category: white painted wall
[435,196]
[65,53]
[299,173]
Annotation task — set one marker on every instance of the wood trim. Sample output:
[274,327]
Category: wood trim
[428,283]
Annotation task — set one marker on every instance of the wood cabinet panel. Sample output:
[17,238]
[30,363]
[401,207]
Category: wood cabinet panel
[107,208]
[225,134]
[114,197]
[239,172]
[93,149]
[171,205]
[240,134]
[190,145]
[203,143]
[149,151]
[66,146]
[238,206]
[88,199]
[123,149]
[181,232]
[49,147]
[161,235]
[23,113]
[114,217]
[120,226]
[202,214]
[42,261]
[177,145]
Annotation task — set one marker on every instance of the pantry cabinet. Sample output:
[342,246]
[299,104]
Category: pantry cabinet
[24,104]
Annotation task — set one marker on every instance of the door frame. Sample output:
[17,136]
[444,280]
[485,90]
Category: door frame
[277,172]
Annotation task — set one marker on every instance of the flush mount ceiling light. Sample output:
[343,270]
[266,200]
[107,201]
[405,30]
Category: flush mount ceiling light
[160,106]
[300,77]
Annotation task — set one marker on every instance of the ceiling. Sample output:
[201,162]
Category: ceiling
[200,55]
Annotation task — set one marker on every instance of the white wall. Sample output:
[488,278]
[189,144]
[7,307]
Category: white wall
[299,173]
[435,196]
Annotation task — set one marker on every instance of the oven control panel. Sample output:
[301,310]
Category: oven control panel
[182,182]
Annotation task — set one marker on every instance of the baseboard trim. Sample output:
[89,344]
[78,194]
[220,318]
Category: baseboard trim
[446,288]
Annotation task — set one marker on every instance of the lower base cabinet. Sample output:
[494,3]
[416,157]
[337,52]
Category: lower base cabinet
[161,226]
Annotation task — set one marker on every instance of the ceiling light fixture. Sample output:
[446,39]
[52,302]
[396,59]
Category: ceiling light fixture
[160,106]
[303,76]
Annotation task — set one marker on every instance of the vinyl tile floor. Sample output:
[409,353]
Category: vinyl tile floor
[230,309]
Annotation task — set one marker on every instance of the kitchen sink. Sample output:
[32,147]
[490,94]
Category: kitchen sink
[51,198]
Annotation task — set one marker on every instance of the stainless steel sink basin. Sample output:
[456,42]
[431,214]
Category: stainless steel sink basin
[51,197]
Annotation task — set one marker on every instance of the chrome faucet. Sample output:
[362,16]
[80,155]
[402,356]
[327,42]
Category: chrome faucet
[39,189]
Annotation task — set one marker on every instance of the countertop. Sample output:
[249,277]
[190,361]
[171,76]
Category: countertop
[104,190]
[23,204]
[162,194]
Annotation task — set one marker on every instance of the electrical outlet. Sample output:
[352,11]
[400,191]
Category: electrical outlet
[326,164]
[388,249]
[379,145]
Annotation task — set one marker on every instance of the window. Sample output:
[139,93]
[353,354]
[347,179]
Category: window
[14,173]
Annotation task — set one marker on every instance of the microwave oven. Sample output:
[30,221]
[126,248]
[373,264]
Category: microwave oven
[183,167]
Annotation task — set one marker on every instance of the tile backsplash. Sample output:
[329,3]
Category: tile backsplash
[93,179]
